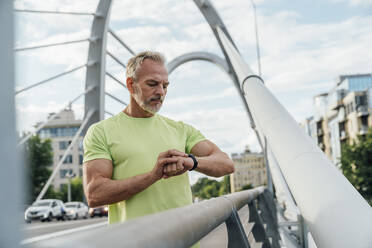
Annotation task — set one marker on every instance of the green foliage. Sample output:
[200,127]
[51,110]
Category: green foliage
[247,186]
[206,188]
[77,193]
[356,164]
[40,157]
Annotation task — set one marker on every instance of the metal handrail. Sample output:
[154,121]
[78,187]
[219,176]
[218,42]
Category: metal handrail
[331,207]
[180,227]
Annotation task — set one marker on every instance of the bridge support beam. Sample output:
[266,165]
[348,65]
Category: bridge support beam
[10,176]
[95,76]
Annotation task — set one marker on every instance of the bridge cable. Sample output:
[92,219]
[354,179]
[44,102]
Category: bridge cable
[53,12]
[109,113]
[115,98]
[116,79]
[20,49]
[116,59]
[51,78]
[120,41]
[53,116]
[56,169]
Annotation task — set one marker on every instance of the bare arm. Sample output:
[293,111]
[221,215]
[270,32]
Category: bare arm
[100,189]
[211,160]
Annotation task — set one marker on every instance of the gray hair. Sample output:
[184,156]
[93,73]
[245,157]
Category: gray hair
[135,62]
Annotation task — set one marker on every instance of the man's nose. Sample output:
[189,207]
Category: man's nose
[160,90]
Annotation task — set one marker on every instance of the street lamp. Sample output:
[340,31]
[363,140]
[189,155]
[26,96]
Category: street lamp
[69,175]
[257,42]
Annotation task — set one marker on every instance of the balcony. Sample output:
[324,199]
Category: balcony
[343,135]
[363,130]
[362,110]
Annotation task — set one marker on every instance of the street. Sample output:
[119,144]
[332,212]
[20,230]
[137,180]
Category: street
[38,231]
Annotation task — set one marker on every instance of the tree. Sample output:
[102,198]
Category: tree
[39,156]
[206,188]
[356,164]
[225,186]
[77,193]
[247,186]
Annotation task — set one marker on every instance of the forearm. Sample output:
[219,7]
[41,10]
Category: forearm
[216,165]
[103,191]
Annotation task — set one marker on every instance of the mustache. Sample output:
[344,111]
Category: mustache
[161,98]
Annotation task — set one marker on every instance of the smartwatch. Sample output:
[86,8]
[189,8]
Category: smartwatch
[195,161]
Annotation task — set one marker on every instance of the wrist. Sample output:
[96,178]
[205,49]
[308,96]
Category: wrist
[195,162]
[153,177]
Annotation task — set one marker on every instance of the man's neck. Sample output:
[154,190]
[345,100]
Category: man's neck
[134,110]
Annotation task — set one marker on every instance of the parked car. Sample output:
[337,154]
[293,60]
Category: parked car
[76,210]
[45,210]
[98,211]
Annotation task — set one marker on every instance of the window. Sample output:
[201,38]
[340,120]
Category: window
[80,145]
[63,172]
[68,159]
[64,144]
[81,159]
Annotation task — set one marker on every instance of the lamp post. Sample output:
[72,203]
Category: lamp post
[69,175]
[257,42]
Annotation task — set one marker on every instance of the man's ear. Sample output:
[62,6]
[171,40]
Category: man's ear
[130,84]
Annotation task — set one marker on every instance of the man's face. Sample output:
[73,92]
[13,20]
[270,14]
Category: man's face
[151,86]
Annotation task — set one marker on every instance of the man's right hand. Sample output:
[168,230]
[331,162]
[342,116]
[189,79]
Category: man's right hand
[167,157]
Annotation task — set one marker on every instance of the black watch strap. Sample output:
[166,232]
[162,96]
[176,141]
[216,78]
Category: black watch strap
[195,162]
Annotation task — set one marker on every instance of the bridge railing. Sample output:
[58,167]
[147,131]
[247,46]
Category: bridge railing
[183,227]
[329,204]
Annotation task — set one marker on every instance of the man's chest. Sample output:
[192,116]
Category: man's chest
[135,150]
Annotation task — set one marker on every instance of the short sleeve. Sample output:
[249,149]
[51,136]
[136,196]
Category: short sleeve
[95,144]
[194,136]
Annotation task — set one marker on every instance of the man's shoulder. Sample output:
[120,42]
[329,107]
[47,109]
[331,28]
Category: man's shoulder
[171,122]
[103,124]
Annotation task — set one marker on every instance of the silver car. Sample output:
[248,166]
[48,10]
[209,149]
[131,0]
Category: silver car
[45,210]
[75,210]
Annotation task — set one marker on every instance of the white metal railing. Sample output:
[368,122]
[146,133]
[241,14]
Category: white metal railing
[183,227]
[330,205]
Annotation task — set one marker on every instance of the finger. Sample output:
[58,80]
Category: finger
[174,152]
[163,161]
[174,167]
[179,165]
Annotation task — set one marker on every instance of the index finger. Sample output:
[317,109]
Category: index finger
[173,152]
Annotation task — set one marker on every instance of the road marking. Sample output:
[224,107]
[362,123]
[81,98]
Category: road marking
[61,233]
[47,225]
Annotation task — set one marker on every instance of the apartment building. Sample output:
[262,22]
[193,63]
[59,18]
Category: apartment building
[342,114]
[249,169]
[61,131]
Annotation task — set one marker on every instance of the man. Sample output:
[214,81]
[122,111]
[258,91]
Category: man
[137,161]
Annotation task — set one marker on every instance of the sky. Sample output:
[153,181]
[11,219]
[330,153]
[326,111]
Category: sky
[304,45]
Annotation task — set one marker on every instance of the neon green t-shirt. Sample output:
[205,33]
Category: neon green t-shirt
[133,145]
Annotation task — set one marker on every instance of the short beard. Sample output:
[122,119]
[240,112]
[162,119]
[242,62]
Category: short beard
[137,95]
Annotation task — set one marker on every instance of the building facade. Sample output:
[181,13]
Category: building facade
[342,114]
[61,131]
[249,169]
